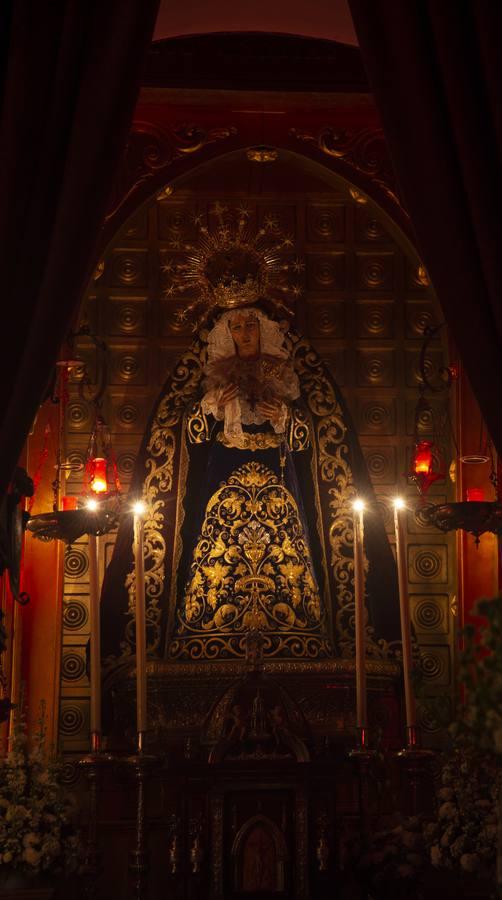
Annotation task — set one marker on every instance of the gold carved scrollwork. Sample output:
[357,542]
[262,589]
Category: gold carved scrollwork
[365,151]
[159,481]
[251,570]
[150,149]
[192,138]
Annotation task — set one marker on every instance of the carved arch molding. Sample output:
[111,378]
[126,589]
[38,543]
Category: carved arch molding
[156,156]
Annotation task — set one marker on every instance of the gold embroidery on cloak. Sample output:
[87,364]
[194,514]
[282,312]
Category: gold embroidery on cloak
[251,569]
[160,480]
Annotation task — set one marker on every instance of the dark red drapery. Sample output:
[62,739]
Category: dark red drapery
[436,74]
[69,77]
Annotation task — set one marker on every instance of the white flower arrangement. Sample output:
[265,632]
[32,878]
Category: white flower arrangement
[395,857]
[464,835]
[36,830]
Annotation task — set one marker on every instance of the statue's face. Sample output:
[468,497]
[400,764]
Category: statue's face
[245,331]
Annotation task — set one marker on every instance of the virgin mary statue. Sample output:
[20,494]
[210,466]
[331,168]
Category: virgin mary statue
[248,467]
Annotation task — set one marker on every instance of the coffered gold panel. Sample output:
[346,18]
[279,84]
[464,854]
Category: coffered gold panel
[326,223]
[419,315]
[369,227]
[376,415]
[381,463]
[326,272]
[376,367]
[428,563]
[127,316]
[375,319]
[128,268]
[326,320]
[430,613]
[374,271]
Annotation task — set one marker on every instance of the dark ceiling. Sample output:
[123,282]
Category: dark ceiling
[329,19]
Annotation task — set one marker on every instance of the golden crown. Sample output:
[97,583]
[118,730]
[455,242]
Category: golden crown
[232,265]
[237,293]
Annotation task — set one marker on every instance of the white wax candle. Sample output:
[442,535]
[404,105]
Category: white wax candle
[404,608]
[360,632]
[95,641]
[139,566]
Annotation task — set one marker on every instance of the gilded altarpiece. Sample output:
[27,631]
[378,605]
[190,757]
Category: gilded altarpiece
[364,305]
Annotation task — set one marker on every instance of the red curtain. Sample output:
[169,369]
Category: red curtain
[69,77]
[436,74]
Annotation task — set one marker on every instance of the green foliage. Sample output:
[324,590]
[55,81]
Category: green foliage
[465,834]
[480,720]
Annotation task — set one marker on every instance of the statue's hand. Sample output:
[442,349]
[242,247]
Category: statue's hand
[228,393]
[269,408]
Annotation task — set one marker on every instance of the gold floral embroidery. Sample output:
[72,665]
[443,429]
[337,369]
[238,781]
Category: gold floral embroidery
[251,569]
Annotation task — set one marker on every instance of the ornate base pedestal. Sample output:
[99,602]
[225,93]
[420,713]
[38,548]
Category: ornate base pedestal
[190,705]
[258,779]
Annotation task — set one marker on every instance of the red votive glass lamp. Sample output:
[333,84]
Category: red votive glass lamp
[475,494]
[69,503]
[422,460]
[98,482]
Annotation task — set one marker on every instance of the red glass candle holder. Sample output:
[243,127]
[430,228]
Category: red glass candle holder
[422,460]
[475,494]
[98,480]
[69,503]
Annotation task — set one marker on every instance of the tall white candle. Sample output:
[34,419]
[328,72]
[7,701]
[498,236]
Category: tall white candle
[95,642]
[139,568]
[360,633]
[404,608]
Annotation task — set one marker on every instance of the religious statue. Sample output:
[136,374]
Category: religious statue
[249,380]
[246,559]
[248,467]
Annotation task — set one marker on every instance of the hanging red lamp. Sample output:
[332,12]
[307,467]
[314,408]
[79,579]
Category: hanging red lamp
[427,465]
[96,474]
[101,478]
[423,458]
[427,461]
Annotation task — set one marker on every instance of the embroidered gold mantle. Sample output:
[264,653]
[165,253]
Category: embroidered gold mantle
[251,570]
[335,471]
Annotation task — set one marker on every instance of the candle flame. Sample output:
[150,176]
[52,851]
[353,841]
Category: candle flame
[399,503]
[358,505]
[139,508]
